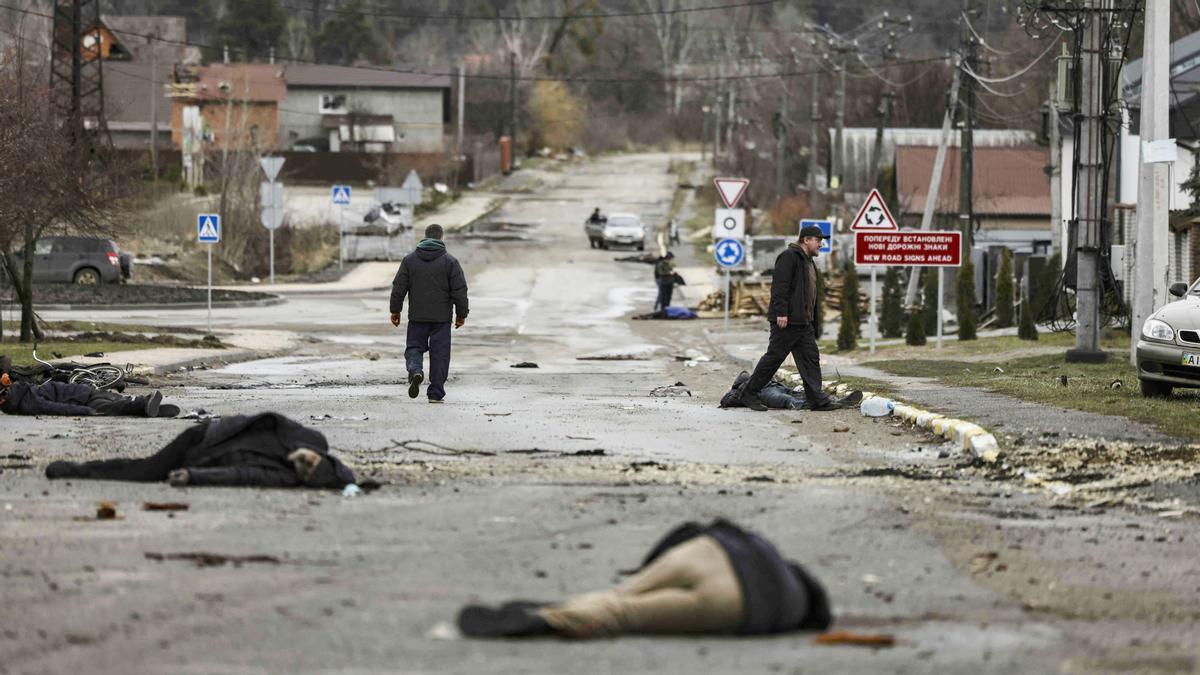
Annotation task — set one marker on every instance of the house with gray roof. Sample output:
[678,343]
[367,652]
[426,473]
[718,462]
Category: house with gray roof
[364,109]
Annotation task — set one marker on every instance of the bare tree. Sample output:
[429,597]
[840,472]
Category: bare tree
[49,181]
[672,29]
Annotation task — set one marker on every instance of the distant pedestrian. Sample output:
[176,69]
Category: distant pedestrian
[673,232]
[664,278]
[793,319]
[436,287]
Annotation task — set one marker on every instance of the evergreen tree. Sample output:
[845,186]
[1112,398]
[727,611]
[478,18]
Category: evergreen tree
[347,37]
[850,299]
[1027,331]
[249,28]
[1005,295]
[966,301]
[915,335]
[929,300]
[1046,281]
[891,319]
[848,333]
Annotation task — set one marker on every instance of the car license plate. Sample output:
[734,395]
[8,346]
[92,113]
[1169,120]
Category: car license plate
[1191,359]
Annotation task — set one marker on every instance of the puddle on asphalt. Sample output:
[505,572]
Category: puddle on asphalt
[499,230]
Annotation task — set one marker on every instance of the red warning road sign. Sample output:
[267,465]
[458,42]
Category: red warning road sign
[874,216]
[908,249]
[731,189]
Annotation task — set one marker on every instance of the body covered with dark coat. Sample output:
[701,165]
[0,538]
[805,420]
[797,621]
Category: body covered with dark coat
[237,450]
[434,283]
[793,288]
[48,398]
[779,596]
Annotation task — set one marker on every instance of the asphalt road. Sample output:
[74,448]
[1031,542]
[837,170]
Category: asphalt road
[486,498]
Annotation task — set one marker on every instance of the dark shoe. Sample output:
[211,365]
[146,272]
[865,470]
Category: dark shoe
[153,403]
[853,398]
[509,621]
[752,401]
[827,406]
[435,400]
[741,380]
[414,384]
[168,410]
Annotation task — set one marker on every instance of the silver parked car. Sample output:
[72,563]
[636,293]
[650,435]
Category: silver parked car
[80,260]
[1168,351]
[622,229]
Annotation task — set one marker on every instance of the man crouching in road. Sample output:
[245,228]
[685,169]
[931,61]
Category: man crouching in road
[793,317]
[435,284]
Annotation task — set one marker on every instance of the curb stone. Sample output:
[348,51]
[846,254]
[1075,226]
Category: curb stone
[970,437]
[226,304]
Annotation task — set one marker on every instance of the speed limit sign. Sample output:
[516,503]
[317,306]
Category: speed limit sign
[729,224]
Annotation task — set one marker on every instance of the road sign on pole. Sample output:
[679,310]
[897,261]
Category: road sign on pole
[208,231]
[729,253]
[341,195]
[729,224]
[826,229]
[271,167]
[208,228]
[874,216]
[731,189]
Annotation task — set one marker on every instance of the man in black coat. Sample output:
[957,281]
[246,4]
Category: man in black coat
[264,450]
[793,318]
[436,286]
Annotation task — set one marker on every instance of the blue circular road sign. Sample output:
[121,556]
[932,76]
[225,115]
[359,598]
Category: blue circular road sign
[729,252]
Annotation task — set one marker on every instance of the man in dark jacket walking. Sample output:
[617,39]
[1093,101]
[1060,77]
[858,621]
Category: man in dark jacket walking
[793,318]
[436,286]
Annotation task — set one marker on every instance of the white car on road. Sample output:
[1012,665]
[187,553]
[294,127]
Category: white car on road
[620,229]
[1168,351]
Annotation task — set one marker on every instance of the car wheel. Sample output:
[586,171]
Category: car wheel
[87,277]
[604,245]
[1153,389]
[641,247]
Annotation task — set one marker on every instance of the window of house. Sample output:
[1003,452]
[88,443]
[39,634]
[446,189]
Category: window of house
[333,104]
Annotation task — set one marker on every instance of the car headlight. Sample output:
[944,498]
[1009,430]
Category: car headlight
[1158,330]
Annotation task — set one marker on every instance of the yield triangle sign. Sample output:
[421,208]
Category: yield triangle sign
[874,216]
[731,189]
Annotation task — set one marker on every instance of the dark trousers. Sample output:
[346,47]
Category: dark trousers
[109,403]
[432,337]
[666,288]
[801,343]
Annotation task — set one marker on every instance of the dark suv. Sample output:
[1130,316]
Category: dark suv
[80,260]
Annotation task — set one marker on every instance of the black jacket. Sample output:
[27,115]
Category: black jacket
[48,398]
[790,288]
[434,283]
[779,596]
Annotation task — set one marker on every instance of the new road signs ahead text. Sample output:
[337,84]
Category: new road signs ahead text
[909,249]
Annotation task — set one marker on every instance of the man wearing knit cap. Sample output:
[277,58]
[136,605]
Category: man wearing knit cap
[436,287]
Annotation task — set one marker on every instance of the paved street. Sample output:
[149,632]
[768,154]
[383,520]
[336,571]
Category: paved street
[537,483]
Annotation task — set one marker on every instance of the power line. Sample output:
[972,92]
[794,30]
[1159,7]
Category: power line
[376,14]
[996,80]
[502,78]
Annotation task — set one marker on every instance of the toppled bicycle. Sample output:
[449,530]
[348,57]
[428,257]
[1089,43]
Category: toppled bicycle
[102,376]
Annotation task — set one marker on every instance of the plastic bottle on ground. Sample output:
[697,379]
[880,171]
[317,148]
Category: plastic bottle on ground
[877,406]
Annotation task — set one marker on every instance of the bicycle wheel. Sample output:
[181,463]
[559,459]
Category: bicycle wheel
[101,377]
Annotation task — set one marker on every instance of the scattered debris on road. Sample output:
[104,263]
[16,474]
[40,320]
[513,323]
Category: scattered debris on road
[677,389]
[845,637]
[524,364]
[214,559]
[165,506]
[106,511]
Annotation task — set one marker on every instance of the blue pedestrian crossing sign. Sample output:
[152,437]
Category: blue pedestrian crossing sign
[826,229]
[341,195]
[208,228]
[729,253]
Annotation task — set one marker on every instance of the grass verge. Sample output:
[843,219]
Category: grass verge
[22,352]
[1089,387]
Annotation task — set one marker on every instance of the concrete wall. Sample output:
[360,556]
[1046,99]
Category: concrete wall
[417,114]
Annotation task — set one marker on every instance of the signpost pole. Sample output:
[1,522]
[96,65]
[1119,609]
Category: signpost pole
[210,289]
[341,236]
[941,300]
[272,256]
[726,299]
[874,321]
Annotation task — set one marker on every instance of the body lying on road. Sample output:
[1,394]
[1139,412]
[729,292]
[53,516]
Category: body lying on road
[62,398]
[266,450]
[718,579]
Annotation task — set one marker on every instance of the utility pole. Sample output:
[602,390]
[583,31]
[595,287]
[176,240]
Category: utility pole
[155,92]
[731,119]
[512,99]
[462,106]
[966,152]
[886,98]
[1150,270]
[935,182]
[781,133]
[718,116]
[1089,213]
[1055,171]
[839,120]
[814,138]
